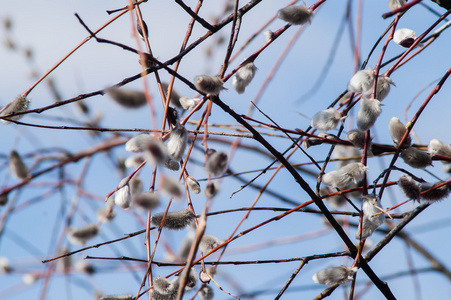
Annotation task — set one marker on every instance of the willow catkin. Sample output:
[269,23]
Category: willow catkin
[19,104]
[208,84]
[146,201]
[372,216]
[5,265]
[357,138]
[138,143]
[193,185]
[369,110]
[431,193]
[295,14]
[117,297]
[142,33]
[216,163]
[85,267]
[437,147]
[361,81]
[206,293]
[382,89]
[208,242]
[416,158]
[164,286]
[404,37]
[174,220]
[397,131]
[211,189]
[243,77]
[127,98]
[171,187]
[79,236]
[172,165]
[343,177]
[134,161]
[17,166]
[334,275]
[327,119]
[394,4]
[189,103]
[409,187]
[123,196]
[176,143]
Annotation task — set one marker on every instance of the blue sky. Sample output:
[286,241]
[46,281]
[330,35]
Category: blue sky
[51,30]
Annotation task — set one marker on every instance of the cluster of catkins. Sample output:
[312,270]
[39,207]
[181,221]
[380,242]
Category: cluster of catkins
[349,174]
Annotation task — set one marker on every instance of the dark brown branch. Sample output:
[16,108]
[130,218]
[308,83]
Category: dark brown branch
[383,287]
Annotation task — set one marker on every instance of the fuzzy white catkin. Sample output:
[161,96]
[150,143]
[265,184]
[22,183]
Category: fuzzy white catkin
[171,187]
[5,265]
[19,104]
[333,275]
[326,119]
[189,103]
[355,170]
[216,163]
[206,293]
[117,297]
[397,131]
[394,4]
[409,187]
[156,152]
[136,186]
[382,89]
[177,142]
[127,98]
[79,236]
[314,141]
[404,37]
[193,185]
[138,143]
[344,154]
[85,267]
[243,77]
[105,214]
[30,278]
[357,138]
[211,189]
[164,287]
[174,220]
[140,30]
[208,84]
[345,176]
[369,110]
[123,196]
[192,278]
[208,242]
[416,158]
[146,201]
[437,147]
[295,14]
[3,199]
[17,166]
[435,194]
[361,81]
[371,205]
[172,164]
[134,161]
[269,35]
